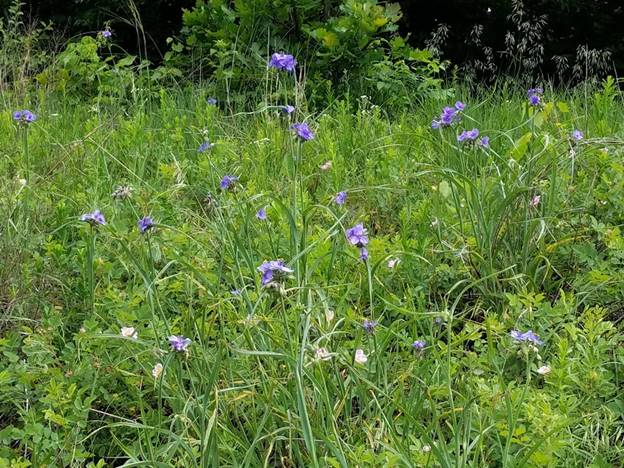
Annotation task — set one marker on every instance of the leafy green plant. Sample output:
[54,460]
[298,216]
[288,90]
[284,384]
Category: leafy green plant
[342,47]
[24,48]
[80,71]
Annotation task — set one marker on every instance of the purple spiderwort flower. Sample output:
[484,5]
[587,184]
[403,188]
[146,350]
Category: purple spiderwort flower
[287,109]
[534,95]
[448,116]
[94,219]
[106,34]
[206,145]
[535,201]
[24,116]
[363,254]
[284,62]
[419,345]
[468,135]
[262,214]
[235,292]
[212,101]
[577,135]
[340,198]
[145,224]
[303,131]
[273,271]
[526,336]
[227,182]
[179,343]
[357,235]
[484,142]
[369,325]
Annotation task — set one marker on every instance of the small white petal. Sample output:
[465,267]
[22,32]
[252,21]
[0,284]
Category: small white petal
[157,370]
[360,356]
[129,332]
[544,370]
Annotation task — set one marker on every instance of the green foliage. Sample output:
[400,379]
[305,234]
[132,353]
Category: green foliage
[255,387]
[20,39]
[349,46]
[80,72]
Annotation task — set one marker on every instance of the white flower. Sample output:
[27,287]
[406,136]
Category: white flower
[326,166]
[329,315]
[322,354]
[129,332]
[426,448]
[544,370]
[360,356]
[157,370]
[393,262]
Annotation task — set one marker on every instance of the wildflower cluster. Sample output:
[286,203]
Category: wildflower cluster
[535,96]
[95,218]
[273,271]
[358,237]
[24,117]
[283,62]
[303,131]
[449,116]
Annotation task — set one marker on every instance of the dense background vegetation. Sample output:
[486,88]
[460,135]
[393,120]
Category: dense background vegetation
[569,23]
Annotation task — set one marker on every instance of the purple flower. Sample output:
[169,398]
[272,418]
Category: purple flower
[235,292]
[577,135]
[534,95]
[284,62]
[448,116]
[340,198]
[526,336]
[94,219]
[179,343]
[484,142]
[227,182]
[363,254]
[288,109]
[303,131]
[262,214]
[24,116]
[273,270]
[106,34]
[212,101]
[468,135]
[419,345]
[357,235]
[535,201]
[369,326]
[206,145]
[145,224]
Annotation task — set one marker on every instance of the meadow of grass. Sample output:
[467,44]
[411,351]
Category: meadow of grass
[414,356]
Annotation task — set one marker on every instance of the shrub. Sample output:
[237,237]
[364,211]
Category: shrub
[337,42]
